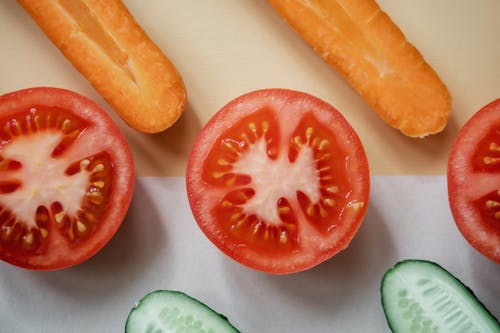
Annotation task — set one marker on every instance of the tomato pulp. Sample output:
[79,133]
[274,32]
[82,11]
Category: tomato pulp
[278,180]
[66,178]
[474,180]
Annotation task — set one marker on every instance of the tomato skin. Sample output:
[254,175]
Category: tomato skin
[473,184]
[101,136]
[314,244]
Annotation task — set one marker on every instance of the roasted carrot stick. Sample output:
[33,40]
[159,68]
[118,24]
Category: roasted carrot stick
[104,42]
[362,43]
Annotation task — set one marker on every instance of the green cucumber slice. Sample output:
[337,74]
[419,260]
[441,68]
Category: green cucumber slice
[421,296]
[165,311]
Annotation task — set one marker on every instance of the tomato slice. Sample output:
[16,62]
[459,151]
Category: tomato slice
[66,178]
[474,180]
[278,180]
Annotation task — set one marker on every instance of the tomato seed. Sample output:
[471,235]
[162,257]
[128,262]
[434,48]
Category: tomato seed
[357,205]
[95,197]
[265,126]
[309,133]
[283,237]
[231,181]
[236,217]
[494,147]
[65,125]
[16,126]
[8,131]
[325,169]
[28,239]
[332,189]
[70,233]
[218,174]
[99,184]
[59,217]
[490,160]
[272,152]
[226,204]
[283,210]
[84,164]
[234,146]
[252,127]
[322,212]
[80,226]
[14,233]
[324,157]
[87,216]
[240,223]
[492,203]
[36,120]
[257,227]
[98,168]
[44,232]
[310,210]
[7,231]
[222,162]
[245,138]
[323,144]
[297,141]
[329,202]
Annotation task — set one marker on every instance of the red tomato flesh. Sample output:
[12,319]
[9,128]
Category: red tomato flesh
[66,178]
[474,180]
[278,180]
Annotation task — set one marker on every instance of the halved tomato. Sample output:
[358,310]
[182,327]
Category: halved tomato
[474,180]
[66,178]
[278,180]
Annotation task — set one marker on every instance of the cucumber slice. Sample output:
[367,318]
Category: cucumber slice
[421,296]
[165,311]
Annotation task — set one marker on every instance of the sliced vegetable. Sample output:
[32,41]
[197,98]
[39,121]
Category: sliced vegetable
[66,178]
[105,43]
[360,41]
[474,180]
[174,311]
[278,180]
[421,296]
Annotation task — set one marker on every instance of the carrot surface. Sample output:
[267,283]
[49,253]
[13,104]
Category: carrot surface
[362,43]
[104,42]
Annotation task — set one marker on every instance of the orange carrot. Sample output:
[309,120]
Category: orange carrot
[104,42]
[362,43]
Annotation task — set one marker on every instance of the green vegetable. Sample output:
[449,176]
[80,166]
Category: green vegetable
[169,311]
[421,296]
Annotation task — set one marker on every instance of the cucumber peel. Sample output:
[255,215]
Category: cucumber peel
[421,296]
[167,311]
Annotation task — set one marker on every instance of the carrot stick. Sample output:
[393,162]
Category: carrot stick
[362,43]
[104,42]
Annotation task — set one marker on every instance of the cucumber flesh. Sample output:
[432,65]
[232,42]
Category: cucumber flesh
[166,311]
[420,296]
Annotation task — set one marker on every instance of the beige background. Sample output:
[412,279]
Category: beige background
[224,48]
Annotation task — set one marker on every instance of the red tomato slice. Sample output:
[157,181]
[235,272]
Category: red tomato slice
[278,180]
[474,180]
[66,178]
